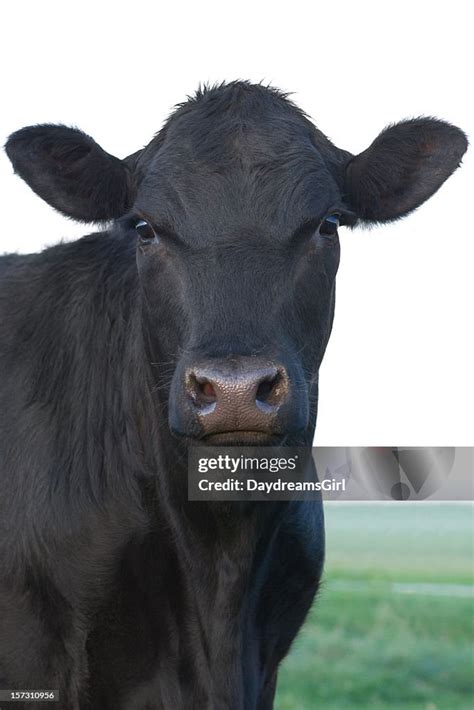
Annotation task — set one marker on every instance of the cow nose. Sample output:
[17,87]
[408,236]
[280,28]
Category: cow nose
[236,396]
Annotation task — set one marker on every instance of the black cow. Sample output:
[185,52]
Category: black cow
[200,313]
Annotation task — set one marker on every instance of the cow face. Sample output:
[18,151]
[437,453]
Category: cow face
[235,208]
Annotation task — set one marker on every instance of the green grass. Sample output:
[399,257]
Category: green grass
[366,646]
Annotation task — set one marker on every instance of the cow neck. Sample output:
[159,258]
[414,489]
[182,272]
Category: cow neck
[224,551]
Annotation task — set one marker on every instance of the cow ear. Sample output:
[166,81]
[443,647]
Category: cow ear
[71,172]
[402,168]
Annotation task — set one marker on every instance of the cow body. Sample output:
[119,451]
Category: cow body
[108,591]
[200,315]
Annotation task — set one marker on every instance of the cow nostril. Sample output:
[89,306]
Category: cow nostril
[269,390]
[202,392]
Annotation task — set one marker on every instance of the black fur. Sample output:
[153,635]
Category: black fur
[114,588]
[71,172]
[403,167]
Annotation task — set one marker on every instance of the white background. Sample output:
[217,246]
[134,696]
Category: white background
[398,370]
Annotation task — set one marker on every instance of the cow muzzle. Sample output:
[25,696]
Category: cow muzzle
[240,399]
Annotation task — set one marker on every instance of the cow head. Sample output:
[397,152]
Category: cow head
[234,208]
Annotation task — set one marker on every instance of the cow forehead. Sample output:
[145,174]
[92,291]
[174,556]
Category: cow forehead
[243,124]
[228,171]
[273,198]
[238,156]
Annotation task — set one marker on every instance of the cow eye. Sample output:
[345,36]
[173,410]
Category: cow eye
[145,231]
[329,225]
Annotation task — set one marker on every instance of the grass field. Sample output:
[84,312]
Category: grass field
[393,624]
